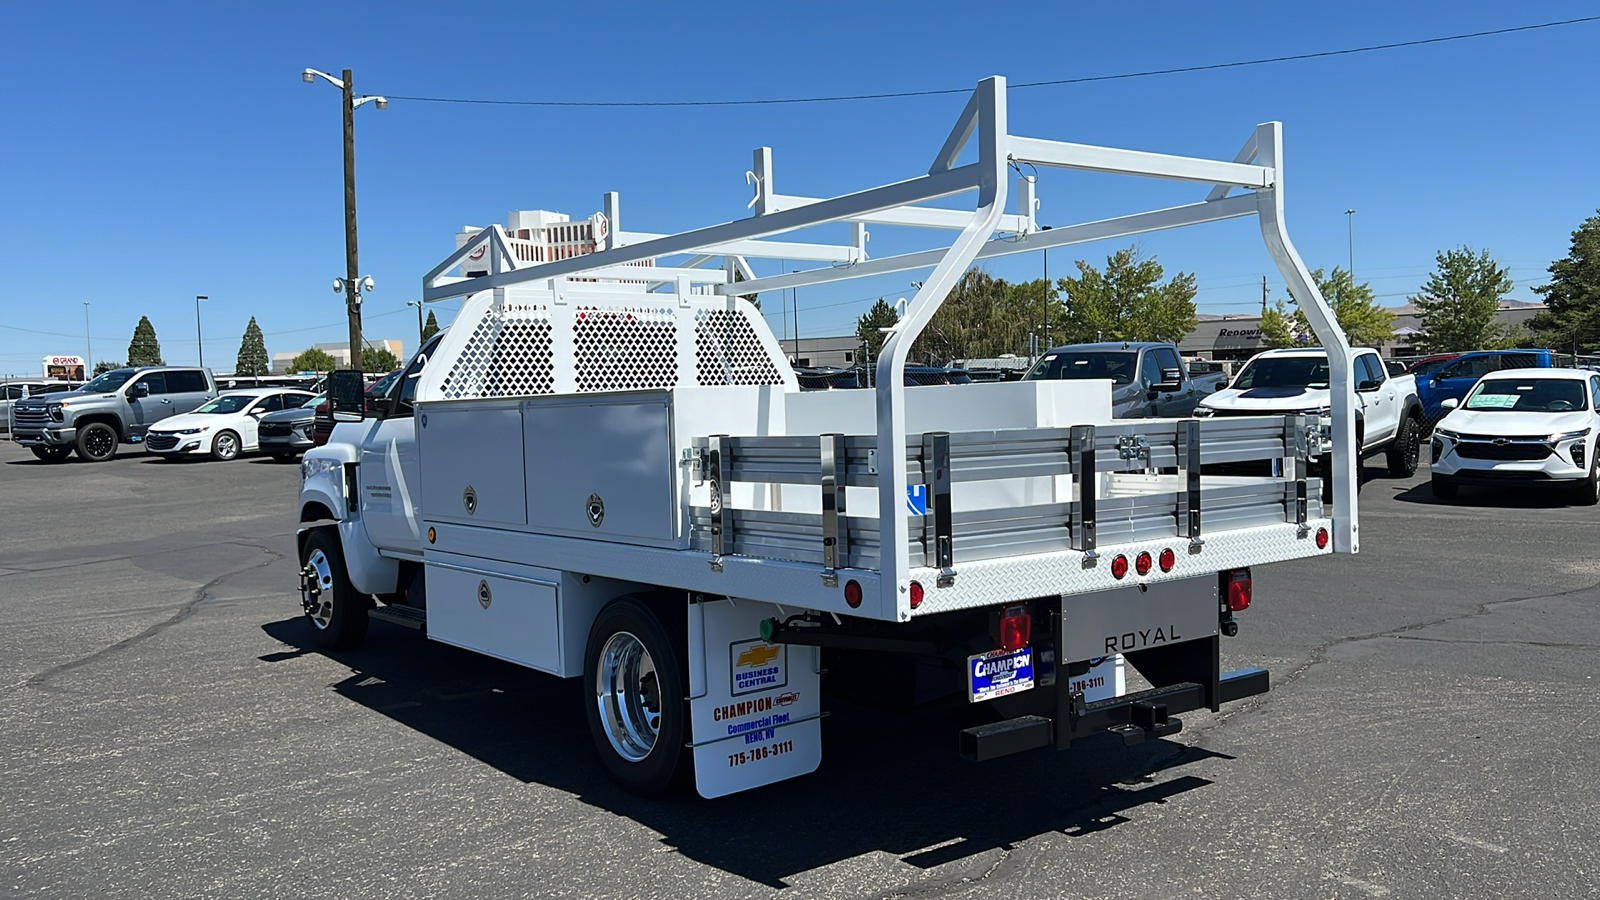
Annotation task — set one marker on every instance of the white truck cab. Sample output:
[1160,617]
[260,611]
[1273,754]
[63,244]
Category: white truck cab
[605,469]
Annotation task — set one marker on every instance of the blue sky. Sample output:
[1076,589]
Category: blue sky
[158,151]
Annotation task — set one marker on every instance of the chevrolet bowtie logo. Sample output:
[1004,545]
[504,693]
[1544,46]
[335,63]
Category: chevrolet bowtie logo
[757,656]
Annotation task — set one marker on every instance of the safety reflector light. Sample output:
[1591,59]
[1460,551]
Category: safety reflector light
[916,595]
[1237,583]
[1168,560]
[1119,566]
[1142,562]
[1322,538]
[432,535]
[852,593]
[1016,627]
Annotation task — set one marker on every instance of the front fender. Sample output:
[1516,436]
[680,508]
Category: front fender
[322,483]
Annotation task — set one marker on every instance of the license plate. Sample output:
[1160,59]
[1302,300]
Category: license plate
[998,673]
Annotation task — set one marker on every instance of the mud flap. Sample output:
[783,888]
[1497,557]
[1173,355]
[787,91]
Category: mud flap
[756,707]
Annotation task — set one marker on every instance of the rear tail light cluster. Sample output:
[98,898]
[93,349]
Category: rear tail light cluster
[1236,589]
[916,595]
[1016,627]
[1143,563]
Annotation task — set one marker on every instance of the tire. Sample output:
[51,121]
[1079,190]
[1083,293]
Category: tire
[52,454]
[1444,487]
[1587,491]
[636,697]
[337,613]
[1407,447]
[225,446]
[97,442]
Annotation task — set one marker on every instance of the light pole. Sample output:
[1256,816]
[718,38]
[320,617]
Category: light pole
[418,305]
[1350,229]
[198,340]
[353,289]
[352,268]
[88,343]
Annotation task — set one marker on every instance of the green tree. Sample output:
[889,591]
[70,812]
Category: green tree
[430,328]
[144,349]
[1572,298]
[104,366]
[252,359]
[377,359]
[1458,302]
[1127,302]
[881,315]
[1279,327]
[313,360]
[983,316]
[1363,321]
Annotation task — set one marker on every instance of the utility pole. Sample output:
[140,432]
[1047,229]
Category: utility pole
[198,340]
[1263,295]
[418,305]
[88,345]
[1350,228]
[352,268]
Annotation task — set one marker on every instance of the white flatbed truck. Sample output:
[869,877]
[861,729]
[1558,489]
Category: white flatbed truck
[605,470]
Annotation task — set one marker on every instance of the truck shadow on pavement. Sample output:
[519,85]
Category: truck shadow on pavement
[1534,496]
[888,783]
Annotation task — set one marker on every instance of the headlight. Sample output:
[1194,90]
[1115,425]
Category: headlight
[55,410]
[189,431]
[311,467]
[1322,411]
[1204,412]
[1447,434]
[1568,436]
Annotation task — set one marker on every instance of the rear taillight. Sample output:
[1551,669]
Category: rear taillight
[1016,627]
[1119,566]
[916,595]
[1237,589]
[1168,560]
[1322,538]
[852,593]
[1143,562]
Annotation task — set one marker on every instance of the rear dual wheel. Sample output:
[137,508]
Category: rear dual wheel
[637,697]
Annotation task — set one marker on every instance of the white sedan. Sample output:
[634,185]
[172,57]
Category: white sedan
[222,428]
[1522,426]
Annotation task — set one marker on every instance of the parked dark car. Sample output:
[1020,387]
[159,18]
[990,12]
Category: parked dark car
[288,433]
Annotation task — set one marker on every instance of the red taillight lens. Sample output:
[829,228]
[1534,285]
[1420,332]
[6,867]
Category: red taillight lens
[1016,627]
[1168,560]
[1142,562]
[916,595]
[852,593]
[1119,566]
[1322,538]
[1237,583]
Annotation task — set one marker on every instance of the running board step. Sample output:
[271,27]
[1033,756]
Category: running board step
[400,615]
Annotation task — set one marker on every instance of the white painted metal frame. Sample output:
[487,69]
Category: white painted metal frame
[1257,169]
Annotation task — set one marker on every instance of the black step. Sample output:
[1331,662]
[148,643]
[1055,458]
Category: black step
[1004,738]
[407,616]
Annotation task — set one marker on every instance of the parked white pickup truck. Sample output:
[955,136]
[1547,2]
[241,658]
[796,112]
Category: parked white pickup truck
[605,470]
[1295,382]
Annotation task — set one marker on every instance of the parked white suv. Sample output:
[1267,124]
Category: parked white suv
[1520,426]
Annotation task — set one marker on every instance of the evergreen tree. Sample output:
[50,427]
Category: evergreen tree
[1572,298]
[313,360]
[252,352]
[1458,303]
[104,366]
[377,359]
[1127,302]
[880,316]
[144,349]
[430,328]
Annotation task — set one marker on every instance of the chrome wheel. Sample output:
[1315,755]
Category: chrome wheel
[628,692]
[316,589]
[226,446]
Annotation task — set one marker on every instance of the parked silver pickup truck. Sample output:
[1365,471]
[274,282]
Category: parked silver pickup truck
[117,407]
[1149,380]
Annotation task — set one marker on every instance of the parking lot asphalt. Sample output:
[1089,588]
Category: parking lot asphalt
[168,731]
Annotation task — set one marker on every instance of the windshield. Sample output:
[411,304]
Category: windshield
[1526,395]
[228,403]
[1428,368]
[314,401]
[1075,364]
[1284,372]
[108,382]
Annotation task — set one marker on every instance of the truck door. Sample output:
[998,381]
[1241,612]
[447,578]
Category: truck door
[153,406]
[1380,407]
[1456,378]
[1180,403]
[390,490]
[188,390]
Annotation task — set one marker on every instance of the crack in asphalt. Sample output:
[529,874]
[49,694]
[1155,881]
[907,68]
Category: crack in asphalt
[935,889]
[201,594]
[1319,654]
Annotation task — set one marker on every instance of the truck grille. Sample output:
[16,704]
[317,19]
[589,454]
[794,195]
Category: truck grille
[30,418]
[1508,451]
[161,441]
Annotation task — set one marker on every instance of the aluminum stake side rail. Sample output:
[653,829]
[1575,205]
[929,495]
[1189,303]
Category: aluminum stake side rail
[605,469]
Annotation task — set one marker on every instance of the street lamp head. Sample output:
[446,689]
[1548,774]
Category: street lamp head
[201,297]
[383,102]
[338,285]
[309,76]
[366,283]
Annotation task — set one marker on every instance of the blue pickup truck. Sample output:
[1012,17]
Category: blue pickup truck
[1455,378]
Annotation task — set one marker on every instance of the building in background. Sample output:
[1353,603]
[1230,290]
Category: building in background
[66,367]
[1239,337]
[340,352]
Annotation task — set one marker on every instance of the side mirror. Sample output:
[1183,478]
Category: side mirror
[1449,403]
[1367,385]
[1171,380]
[346,395]
[139,390]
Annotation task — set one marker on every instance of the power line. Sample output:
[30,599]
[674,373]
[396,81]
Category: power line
[1085,79]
